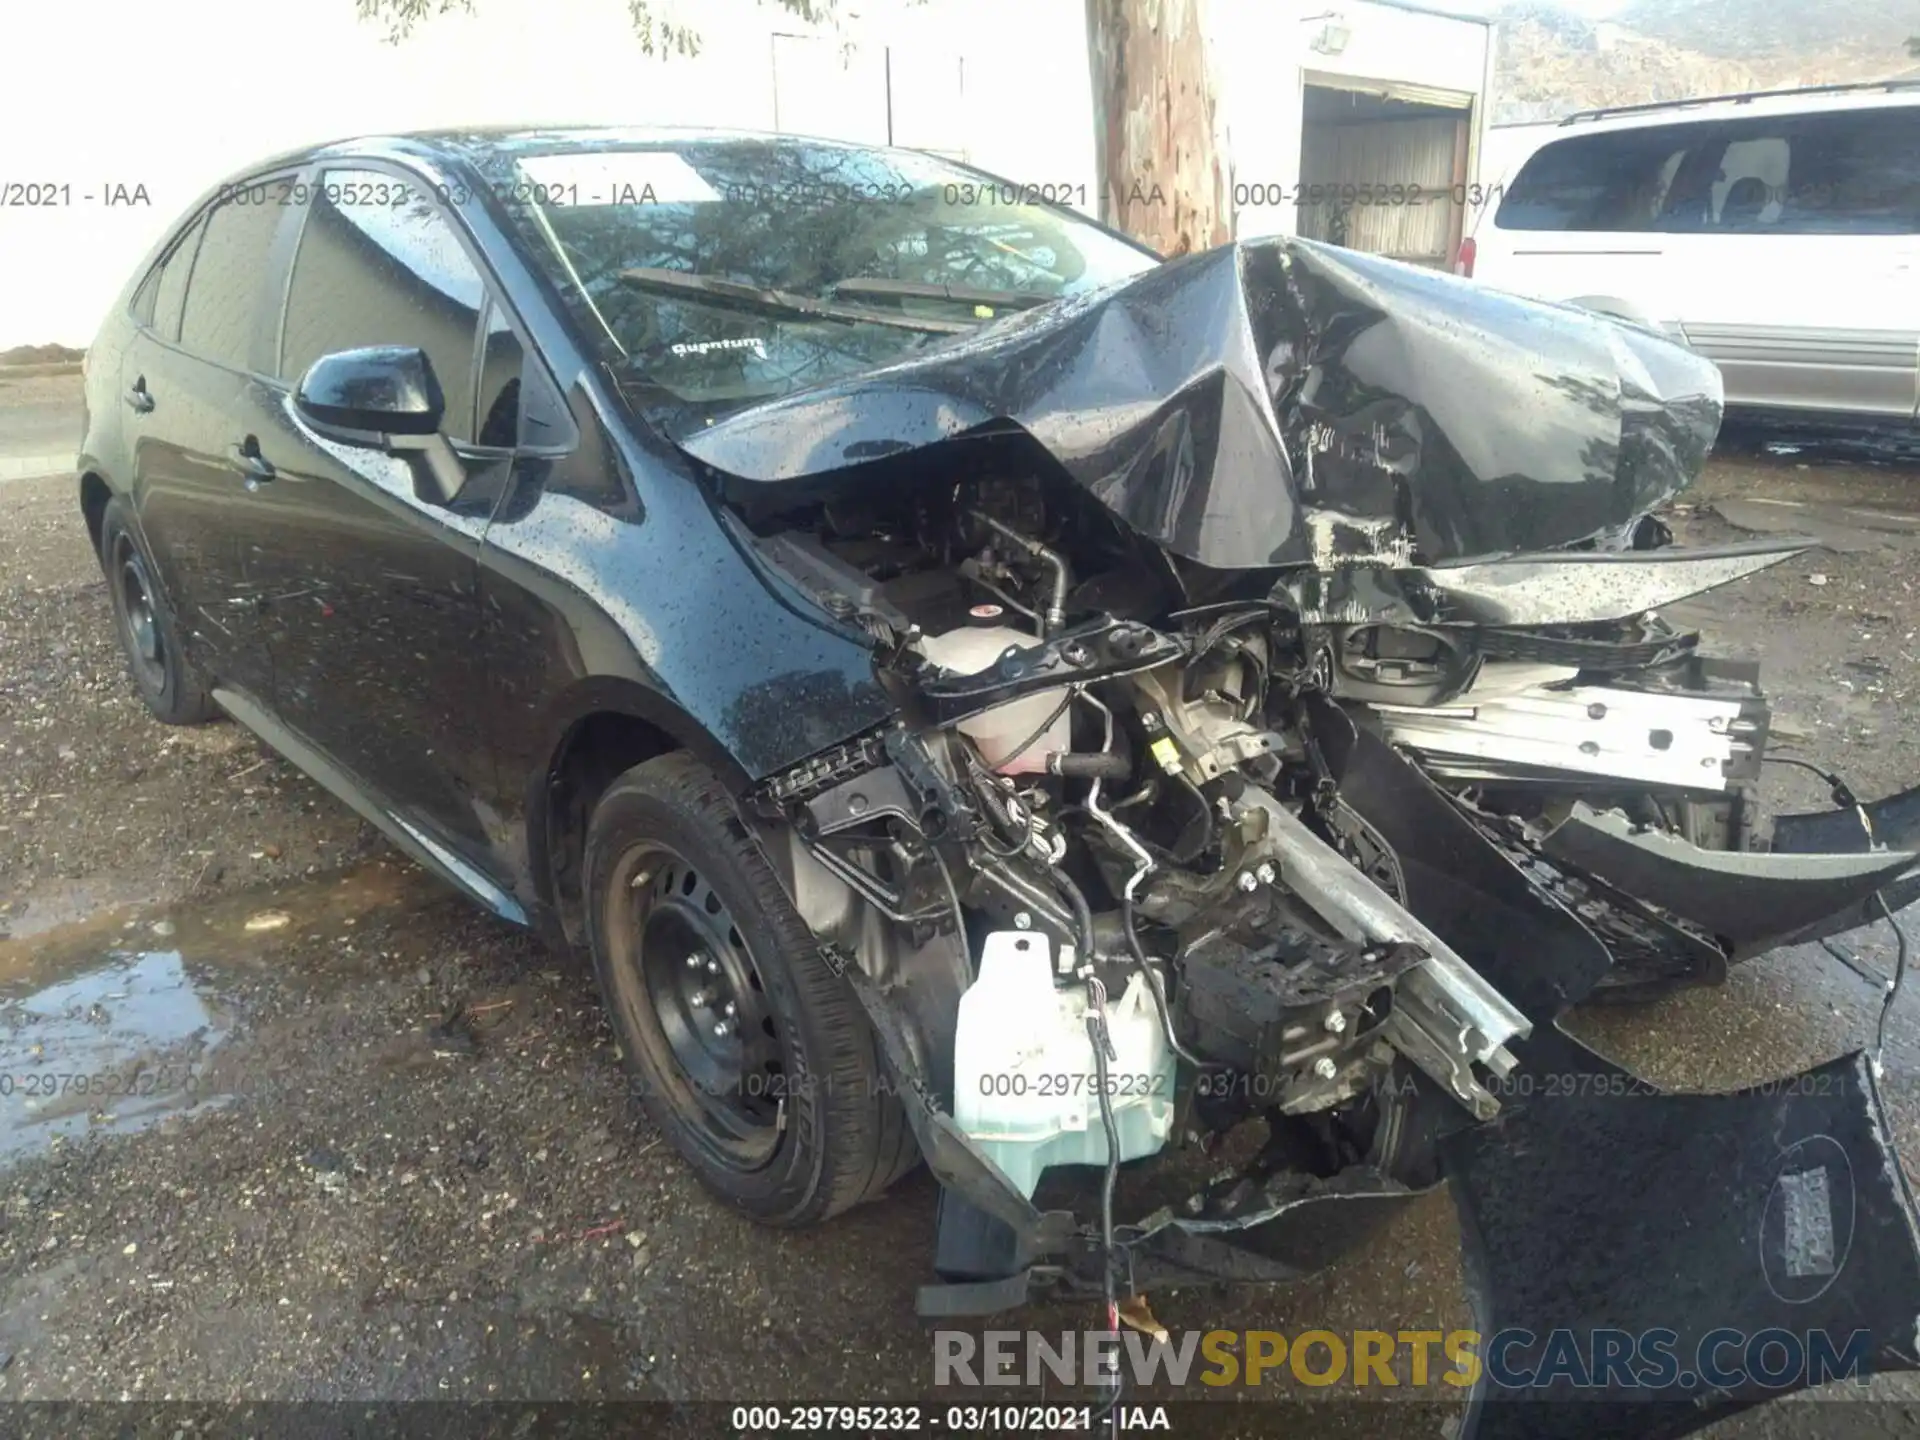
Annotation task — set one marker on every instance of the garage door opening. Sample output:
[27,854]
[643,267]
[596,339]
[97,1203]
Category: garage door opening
[1384,169]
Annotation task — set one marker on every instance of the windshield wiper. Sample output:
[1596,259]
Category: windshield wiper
[923,290]
[783,302]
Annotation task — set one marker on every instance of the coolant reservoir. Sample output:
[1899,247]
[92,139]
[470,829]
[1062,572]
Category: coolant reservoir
[1025,1089]
[1004,728]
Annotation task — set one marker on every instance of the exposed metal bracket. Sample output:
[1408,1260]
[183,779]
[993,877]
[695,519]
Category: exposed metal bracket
[1497,731]
[1448,1017]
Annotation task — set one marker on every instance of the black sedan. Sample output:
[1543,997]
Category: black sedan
[380,462]
[980,693]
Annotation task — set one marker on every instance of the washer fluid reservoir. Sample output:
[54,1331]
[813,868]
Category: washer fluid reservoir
[1025,1087]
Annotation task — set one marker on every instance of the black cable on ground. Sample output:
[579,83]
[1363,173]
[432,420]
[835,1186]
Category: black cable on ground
[1899,976]
[1843,795]
[1844,798]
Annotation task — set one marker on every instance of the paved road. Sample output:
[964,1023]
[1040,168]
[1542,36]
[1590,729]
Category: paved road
[40,423]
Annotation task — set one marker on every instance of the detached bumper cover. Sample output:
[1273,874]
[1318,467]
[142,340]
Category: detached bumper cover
[1685,1226]
[1753,899]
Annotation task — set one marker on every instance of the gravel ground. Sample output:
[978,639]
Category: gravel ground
[390,1155]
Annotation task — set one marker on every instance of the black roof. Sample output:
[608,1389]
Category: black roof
[505,142]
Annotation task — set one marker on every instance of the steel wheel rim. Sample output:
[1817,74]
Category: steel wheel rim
[689,987]
[139,615]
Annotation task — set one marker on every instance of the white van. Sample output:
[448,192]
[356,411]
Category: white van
[1777,233]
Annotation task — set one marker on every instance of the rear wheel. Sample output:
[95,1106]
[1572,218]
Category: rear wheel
[149,635]
[749,1053]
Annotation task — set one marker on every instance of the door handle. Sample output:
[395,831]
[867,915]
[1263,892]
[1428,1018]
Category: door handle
[254,467]
[138,398]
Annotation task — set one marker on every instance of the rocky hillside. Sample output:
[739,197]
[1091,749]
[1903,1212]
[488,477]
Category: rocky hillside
[1553,61]
[1790,42]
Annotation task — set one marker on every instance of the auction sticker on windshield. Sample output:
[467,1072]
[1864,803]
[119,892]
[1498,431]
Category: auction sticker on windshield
[620,177]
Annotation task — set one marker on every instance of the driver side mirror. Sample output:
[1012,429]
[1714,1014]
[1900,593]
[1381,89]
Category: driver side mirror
[387,397]
[384,389]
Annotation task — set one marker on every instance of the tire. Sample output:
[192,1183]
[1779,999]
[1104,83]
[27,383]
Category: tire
[785,1114]
[149,635]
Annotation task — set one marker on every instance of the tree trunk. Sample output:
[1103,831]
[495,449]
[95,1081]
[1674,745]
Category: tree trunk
[1159,137]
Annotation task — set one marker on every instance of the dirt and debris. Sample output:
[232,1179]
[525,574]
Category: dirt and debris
[395,1156]
[99,806]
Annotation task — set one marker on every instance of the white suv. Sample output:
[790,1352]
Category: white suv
[1778,234]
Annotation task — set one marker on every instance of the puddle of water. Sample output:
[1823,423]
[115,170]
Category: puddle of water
[1834,441]
[232,931]
[110,1023]
[117,1047]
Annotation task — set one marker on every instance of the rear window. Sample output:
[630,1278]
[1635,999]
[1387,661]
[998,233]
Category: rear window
[165,293]
[1849,172]
[222,313]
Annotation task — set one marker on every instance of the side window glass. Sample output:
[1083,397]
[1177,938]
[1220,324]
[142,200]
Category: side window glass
[1851,171]
[222,310]
[378,264]
[501,363]
[1619,181]
[142,308]
[170,286]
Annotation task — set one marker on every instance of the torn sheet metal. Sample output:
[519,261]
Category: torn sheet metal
[1576,587]
[1279,402]
[1270,1233]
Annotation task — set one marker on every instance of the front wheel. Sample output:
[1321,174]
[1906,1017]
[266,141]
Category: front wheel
[749,1053]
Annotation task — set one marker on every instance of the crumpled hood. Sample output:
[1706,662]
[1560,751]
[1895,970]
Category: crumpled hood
[1282,402]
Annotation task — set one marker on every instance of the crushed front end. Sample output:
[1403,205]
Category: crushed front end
[1288,735]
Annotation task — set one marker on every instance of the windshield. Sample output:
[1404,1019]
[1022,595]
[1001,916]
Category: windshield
[718,273]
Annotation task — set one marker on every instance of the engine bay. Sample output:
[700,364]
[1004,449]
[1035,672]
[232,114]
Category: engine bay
[1124,756]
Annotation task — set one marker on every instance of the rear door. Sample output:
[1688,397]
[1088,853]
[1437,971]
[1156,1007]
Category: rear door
[184,381]
[373,617]
[150,363]
[1581,220]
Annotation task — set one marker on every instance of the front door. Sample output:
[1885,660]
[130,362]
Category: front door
[369,578]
